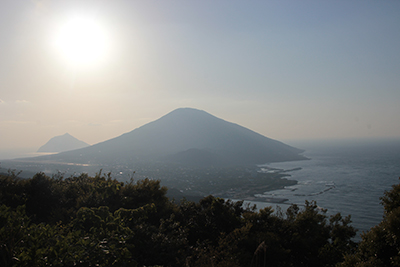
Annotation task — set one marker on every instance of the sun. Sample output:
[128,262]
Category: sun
[82,41]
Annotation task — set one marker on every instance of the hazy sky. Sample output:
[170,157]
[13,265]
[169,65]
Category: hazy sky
[286,69]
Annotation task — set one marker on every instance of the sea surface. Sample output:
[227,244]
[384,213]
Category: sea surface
[342,176]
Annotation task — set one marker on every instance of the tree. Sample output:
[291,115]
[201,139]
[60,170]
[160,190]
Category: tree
[210,218]
[98,221]
[13,225]
[381,245]
[299,237]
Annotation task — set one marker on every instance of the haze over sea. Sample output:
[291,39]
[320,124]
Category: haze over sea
[343,176]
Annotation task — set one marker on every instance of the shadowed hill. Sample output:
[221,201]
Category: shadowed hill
[182,135]
[62,143]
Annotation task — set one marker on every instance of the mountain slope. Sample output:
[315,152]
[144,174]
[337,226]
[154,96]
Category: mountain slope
[180,134]
[62,143]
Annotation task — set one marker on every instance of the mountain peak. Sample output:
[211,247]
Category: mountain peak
[62,143]
[180,113]
[184,135]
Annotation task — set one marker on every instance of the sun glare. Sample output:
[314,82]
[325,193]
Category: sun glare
[82,41]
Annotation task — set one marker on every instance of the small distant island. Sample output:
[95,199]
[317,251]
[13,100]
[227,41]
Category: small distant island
[62,143]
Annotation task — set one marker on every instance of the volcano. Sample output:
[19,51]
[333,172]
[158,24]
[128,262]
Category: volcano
[187,136]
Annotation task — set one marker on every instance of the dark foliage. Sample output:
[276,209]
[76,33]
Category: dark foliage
[98,221]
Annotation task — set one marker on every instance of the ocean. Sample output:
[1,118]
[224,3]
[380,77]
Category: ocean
[346,176]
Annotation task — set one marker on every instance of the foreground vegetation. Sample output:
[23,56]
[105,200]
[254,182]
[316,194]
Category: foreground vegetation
[99,221]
